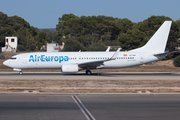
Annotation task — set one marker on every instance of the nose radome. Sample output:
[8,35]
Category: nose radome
[5,63]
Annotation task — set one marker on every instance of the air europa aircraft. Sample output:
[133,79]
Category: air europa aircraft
[69,62]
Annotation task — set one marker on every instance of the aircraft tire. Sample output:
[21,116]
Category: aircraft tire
[88,72]
[20,72]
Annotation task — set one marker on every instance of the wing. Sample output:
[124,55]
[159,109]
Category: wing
[95,64]
[92,64]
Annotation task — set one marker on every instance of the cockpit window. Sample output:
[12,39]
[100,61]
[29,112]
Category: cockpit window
[13,58]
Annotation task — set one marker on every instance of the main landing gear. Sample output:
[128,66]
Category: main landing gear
[20,72]
[88,72]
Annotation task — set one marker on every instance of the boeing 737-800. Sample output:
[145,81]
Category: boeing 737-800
[69,62]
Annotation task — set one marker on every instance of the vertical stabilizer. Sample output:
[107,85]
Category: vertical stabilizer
[158,41]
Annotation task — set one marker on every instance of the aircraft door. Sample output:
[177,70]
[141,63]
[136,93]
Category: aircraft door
[141,58]
[24,59]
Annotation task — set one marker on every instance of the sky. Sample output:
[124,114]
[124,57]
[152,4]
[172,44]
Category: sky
[45,13]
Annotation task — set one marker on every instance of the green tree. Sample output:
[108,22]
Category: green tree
[14,25]
[87,30]
[20,48]
[2,56]
[176,61]
[41,39]
[151,25]
[132,39]
[138,34]
[73,45]
[97,47]
[4,30]
[26,39]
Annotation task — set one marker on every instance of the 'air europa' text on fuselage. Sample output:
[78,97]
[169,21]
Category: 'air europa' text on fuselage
[44,58]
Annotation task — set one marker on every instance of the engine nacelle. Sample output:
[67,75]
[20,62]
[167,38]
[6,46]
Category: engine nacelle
[67,68]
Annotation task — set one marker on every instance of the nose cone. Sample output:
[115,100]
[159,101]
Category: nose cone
[5,63]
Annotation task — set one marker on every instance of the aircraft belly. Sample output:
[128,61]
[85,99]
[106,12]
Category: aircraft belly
[42,65]
[120,64]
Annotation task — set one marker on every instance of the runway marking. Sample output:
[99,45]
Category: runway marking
[83,109]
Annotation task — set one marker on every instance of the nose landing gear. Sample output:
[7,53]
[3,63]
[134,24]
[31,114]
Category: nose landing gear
[20,72]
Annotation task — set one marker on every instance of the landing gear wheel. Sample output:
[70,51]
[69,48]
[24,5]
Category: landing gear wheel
[88,72]
[20,72]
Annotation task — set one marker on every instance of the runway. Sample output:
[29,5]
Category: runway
[52,106]
[94,76]
[31,106]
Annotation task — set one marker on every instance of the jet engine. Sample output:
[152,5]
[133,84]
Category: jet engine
[68,68]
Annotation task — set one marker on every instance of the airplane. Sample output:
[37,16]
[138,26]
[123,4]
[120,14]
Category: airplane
[72,62]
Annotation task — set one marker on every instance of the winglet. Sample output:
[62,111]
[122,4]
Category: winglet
[108,49]
[115,54]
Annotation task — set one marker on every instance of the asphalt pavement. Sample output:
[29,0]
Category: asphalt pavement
[94,76]
[31,106]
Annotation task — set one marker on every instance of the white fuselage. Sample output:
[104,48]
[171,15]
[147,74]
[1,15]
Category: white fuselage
[46,60]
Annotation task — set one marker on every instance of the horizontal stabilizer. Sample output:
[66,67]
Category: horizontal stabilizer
[164,53]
